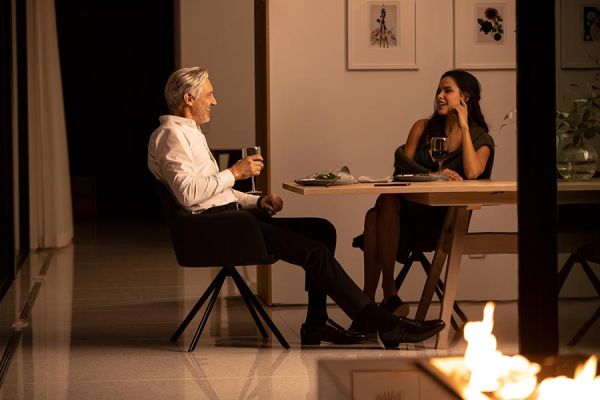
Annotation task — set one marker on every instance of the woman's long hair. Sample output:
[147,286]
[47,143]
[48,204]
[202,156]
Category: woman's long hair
[467,83]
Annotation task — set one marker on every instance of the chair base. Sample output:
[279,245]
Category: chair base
[249,298]
[573,259]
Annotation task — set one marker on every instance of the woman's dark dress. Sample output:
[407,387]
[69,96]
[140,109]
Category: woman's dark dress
[420,225]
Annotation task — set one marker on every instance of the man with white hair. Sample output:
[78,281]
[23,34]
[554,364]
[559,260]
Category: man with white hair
[178,155]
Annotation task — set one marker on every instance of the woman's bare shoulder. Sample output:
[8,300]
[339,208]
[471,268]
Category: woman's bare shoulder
[418,127]
[421,123]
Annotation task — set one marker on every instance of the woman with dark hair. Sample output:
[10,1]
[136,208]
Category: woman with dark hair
[395,226]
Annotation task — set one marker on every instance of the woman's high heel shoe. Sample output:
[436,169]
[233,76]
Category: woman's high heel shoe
[395,306]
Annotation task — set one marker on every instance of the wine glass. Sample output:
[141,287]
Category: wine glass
[439,150]
[251,151]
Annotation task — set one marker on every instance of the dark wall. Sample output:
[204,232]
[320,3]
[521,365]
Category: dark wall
[7,209]
[115,59]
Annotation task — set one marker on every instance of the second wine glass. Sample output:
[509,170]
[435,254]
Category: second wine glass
[439,150]
[251,151]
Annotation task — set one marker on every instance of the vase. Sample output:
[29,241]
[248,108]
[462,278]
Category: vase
[577,160]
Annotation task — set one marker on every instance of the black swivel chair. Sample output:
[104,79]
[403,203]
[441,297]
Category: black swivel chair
[227,239]
[417,255]
[582,219]
[583,255]
[403,165]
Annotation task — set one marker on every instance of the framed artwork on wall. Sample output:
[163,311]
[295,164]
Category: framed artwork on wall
[580,34]
[381,34]
[484,34]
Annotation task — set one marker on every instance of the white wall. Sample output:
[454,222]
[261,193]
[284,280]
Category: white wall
[219,35]
[323,116]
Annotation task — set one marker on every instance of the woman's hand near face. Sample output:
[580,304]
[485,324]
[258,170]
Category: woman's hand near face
[462,113]
[453,175]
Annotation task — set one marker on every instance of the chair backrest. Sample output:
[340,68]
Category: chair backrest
[228,238]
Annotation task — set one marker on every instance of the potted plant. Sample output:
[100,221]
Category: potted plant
[577,160]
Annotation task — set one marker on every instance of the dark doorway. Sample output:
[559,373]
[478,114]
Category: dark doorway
[7,209]
[14,180]
[115,59]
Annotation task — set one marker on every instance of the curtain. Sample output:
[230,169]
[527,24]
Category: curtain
[51,215]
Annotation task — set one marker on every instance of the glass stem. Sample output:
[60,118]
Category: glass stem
[439,167]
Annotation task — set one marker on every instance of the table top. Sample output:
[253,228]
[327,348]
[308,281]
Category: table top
[481,191]
[411,187]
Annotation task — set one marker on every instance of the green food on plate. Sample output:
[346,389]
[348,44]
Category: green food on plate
[326,176]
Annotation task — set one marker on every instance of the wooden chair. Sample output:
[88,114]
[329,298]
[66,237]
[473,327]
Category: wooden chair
[227,239]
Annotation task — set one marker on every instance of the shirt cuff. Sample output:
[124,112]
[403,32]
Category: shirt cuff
[249,201]
[226,177]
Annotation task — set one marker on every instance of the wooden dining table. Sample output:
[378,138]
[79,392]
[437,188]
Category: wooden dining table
[462,197]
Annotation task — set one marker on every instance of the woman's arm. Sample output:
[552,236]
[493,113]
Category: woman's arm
[474,161]
[413,138]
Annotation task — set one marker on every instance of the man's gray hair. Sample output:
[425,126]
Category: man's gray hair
[184,80]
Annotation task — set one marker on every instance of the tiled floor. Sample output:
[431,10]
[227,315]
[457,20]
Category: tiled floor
[106,306]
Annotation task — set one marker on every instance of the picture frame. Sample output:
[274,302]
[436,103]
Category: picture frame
[381,34]
[580,34]
[485,34]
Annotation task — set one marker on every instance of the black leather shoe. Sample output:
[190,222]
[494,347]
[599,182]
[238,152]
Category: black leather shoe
[363,326]
[329,332]
[410,331]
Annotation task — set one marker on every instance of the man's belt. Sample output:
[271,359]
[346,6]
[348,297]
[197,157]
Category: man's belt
[234,205]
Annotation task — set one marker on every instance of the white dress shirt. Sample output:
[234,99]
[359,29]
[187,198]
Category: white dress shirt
[178,155]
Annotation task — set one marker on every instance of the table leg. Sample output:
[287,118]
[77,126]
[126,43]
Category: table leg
[461,227]
[437,264]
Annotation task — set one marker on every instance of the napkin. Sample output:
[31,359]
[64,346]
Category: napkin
[369,179]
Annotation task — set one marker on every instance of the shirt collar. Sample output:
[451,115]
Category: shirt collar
[179,120]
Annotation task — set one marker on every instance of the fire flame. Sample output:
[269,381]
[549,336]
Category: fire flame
[490,370]
[514,378]
[585,385]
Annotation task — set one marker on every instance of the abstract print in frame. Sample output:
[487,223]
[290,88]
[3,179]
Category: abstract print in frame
[484,34]
[580,34]
[381,34]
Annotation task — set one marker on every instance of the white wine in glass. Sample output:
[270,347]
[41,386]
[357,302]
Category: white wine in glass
[251,151]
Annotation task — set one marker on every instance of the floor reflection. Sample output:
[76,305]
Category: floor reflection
[105,308]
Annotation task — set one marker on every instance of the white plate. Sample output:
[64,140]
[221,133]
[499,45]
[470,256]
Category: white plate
[420,178]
